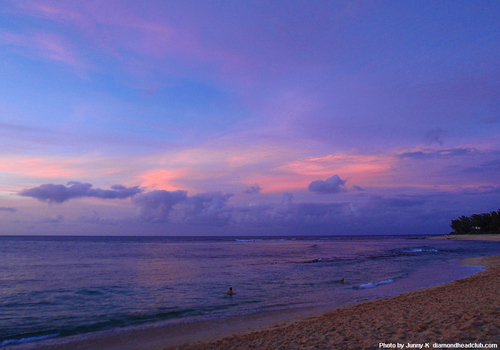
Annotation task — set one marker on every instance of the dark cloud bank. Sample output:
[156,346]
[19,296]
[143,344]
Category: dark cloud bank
[377,214]
[370,214]
[162,206]
[156,206]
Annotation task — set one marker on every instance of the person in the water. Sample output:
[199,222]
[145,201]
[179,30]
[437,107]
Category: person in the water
[342,280]
[230,291]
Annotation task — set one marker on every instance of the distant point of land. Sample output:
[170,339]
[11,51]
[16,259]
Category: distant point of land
[477,224]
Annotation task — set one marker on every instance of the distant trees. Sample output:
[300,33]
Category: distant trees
[477,223]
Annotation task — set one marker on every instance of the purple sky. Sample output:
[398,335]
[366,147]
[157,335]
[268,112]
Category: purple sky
[247,117]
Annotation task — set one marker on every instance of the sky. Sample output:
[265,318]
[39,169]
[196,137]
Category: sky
[247,117]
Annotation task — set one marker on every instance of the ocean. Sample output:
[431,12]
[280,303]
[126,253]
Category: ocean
[54,287]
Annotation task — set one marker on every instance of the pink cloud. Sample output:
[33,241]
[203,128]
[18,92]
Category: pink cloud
[46,46]
[276,183]
[53,47]
[41,168]
[296,175]
[356,167]
[32,170]
[163,179]
[137,39]
[51,10]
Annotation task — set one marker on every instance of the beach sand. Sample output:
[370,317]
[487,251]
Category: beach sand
[486,237]
[463,311]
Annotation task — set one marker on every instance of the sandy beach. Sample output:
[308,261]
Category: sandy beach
[486,237]
[465,311]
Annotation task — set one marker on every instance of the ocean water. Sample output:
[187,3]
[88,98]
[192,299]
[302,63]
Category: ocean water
[60,286]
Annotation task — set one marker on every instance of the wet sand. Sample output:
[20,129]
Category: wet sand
[463,311]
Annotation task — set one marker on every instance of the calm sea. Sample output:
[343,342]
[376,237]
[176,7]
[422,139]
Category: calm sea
[61,286]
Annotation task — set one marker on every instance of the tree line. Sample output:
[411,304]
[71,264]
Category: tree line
[477,224]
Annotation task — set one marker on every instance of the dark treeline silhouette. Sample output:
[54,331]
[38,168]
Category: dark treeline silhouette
[477,224]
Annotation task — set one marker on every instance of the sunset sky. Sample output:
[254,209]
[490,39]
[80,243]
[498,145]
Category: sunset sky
[247,117]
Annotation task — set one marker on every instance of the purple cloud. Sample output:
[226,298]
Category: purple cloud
[8,209]
[53,219]
[400,201]
[206,208]
[155,206]
[163,206]
[332,185]
[95,218]
[434,135]
[444,153]
[481,190]
[59,193]
[255,189]
[491,166]
[289,214]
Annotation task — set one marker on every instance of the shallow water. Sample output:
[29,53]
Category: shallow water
[60,286]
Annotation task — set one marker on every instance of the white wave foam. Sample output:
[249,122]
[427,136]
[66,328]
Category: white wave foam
[27,339]
[373,285]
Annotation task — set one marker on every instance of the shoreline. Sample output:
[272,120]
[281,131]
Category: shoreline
[323,327]
[462,311]
[478,237]
[162,335]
